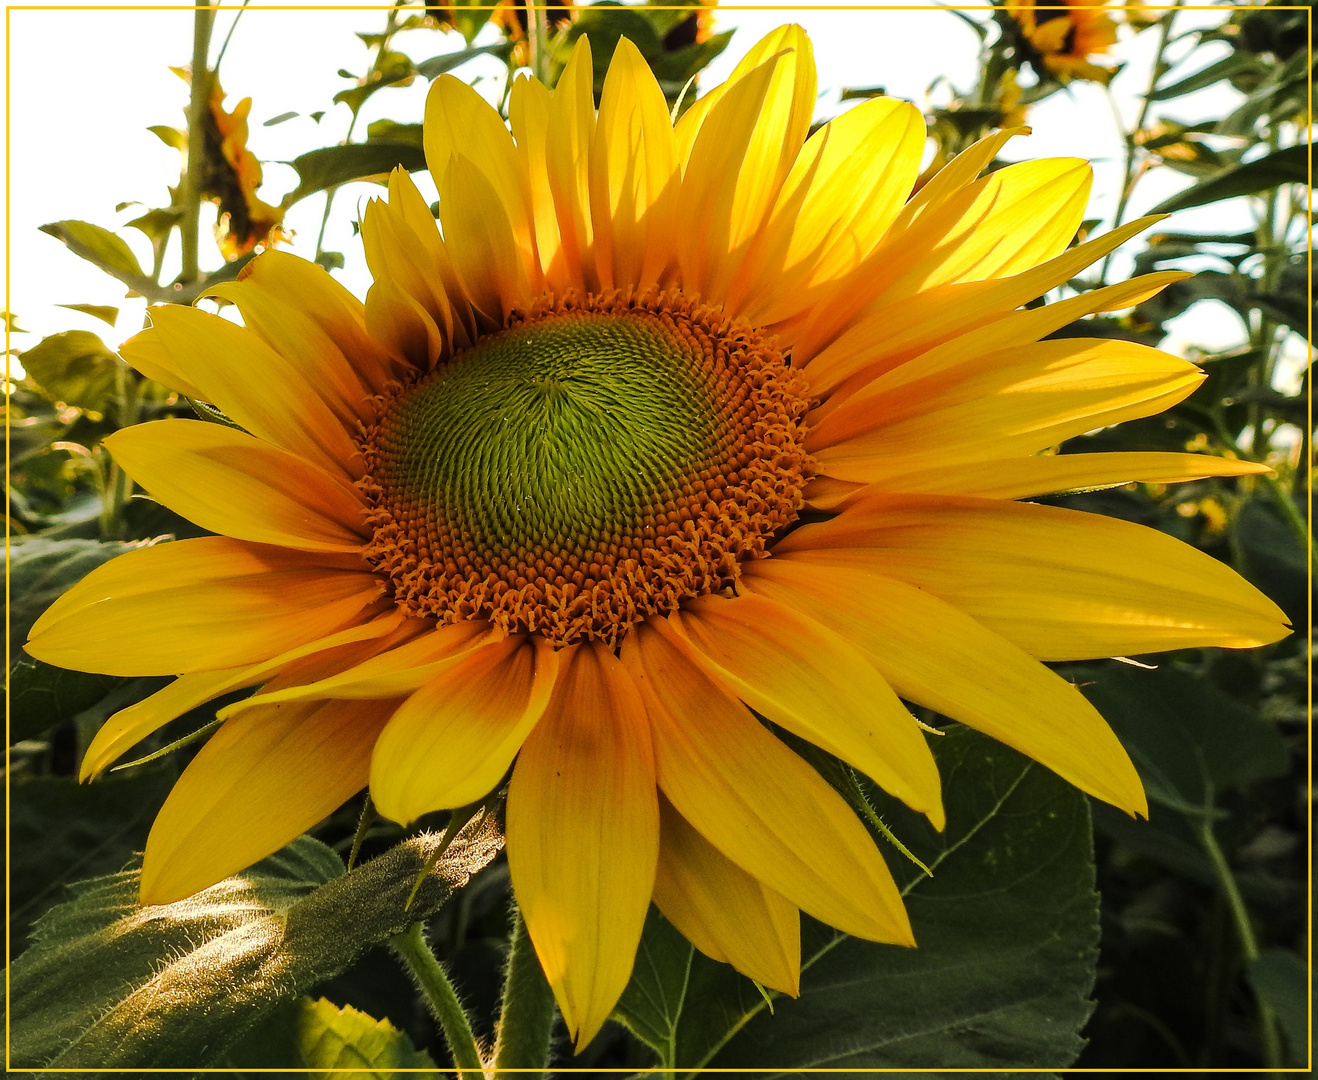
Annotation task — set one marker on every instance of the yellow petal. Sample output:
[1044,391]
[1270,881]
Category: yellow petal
[394,673]
[258,784]
[528,116]
[481,240]
[199,605]
[568,143]
[452,741]
[942,659]
[723,911]
[1061,584]
[230,483]
[744,151]
[396,317]
[583,836]
[461,123]
[634,175]
[756,801]
[1007,403]
[891,331]
[814,683]
[296,308]
[238,373]
[130,726]
[1022,478]
[847,185]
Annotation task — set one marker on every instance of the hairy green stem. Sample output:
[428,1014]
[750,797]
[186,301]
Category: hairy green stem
[526,1017]
[1268,1034]
[429,974]
[198,105]
[539,35]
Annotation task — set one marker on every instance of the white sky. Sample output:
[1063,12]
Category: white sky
[87,83]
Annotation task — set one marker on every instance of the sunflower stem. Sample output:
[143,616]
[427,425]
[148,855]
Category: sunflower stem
[539,33]
[198,103]
[526,1016]
[434,984]
[1226,880]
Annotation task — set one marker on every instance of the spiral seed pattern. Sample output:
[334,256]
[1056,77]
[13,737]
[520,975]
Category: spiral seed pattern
[600,459]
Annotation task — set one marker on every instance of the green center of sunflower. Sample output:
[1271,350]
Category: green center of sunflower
[599,460]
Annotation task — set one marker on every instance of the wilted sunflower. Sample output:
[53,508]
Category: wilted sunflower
[1059,39]
[671,424]
[231,178]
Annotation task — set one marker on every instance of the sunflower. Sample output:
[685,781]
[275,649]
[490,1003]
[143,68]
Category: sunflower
[1058,40]
[670,424]
[232,176]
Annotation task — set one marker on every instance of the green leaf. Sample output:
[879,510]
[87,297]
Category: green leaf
[1236,64]
[470,17]
[1188,740]
[96,311]
[438,65]
[99,246]
[111,985]
[1272,557]
[329,1037]
[1007,930]
[1289,166]
[279,119]
[42,570]
[390,131]
[1281,980]
[63,831]
[42,695]
[335,165]
[171,137]
[75,367]
[157,223]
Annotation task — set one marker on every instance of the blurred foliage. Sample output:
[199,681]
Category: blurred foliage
[1203,907]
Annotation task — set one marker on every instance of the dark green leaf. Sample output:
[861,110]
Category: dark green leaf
[99,246]
[278,119]
[1188,740]
[390,131]
[108,984]
[41,695]
[1008,929]
[330,260]
[681,64]
[96,311]
[1281,980]
[1272,557]
[470,17]
[63,831]
[335,165]
[1234,64]
[438,65]
[1289,166]
[42,570]
[75,367]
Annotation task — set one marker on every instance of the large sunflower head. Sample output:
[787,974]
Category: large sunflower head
[662,431]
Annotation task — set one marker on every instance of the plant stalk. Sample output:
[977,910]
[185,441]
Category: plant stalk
[203,20]
[539,35]
[1268,1034]
[526,1017]
[429,975]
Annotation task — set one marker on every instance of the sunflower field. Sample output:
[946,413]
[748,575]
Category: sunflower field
[633,554]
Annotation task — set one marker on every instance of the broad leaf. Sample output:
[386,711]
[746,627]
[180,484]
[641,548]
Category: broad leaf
[75,367]
[1188,740]
[317,1034]
[62,831]
[109,984]
[101,247]
[335,165]
[1289,166]
[1280,979]
[438,65]
[1007,930]
[1238,63]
